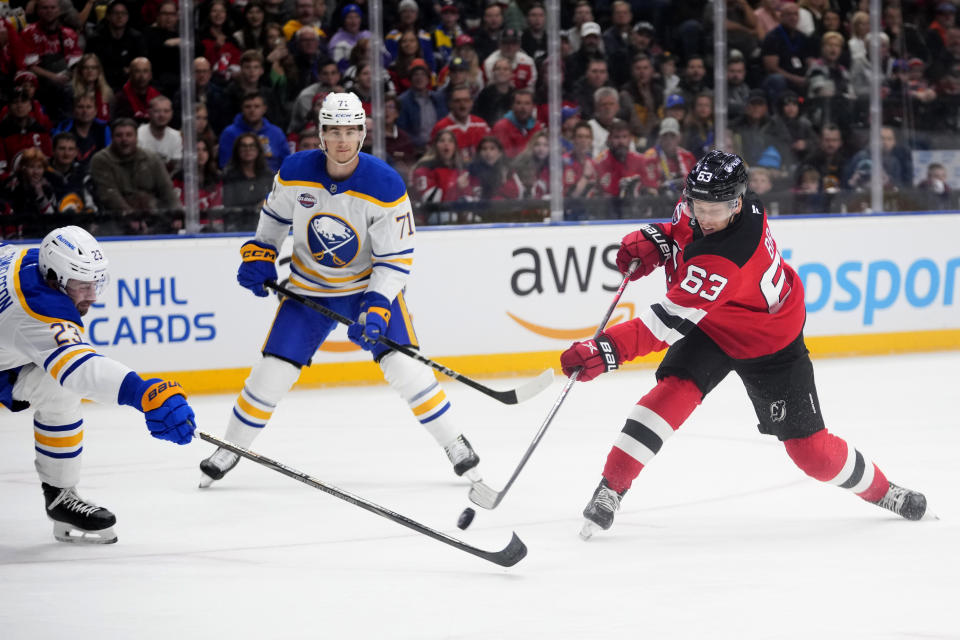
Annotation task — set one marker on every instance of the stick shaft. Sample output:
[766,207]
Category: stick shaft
[490,499]
[507,397]
[507,557]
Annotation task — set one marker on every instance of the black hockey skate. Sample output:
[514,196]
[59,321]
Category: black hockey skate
[217,466]
[599,512]
[908,504]
[464,459]
[75,519]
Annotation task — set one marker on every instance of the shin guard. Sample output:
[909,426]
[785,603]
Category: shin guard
[652,421]
[269,380]
[828,458]
[419,387]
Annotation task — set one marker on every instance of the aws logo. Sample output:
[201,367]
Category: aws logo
[333,242]
[563,270]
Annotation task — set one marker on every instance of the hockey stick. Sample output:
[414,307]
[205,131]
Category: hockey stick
[524,392]
[510,555]
[485,496]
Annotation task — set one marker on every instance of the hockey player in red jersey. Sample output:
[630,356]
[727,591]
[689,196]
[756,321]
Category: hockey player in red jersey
[732,304]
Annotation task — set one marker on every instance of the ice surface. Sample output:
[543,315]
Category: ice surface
[721,537]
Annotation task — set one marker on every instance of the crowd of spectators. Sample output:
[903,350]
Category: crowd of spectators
[93,110]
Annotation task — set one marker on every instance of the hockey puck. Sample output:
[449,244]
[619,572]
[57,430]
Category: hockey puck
[466,518]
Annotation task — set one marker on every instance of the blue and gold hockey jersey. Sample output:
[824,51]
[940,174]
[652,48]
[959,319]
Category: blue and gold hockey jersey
[41,325]
[349,235]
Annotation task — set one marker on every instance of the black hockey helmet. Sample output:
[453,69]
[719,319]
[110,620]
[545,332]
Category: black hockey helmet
[717,177]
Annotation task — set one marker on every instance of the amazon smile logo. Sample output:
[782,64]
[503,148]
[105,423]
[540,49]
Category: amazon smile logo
[626,312]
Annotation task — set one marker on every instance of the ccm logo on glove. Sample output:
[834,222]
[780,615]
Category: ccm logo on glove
[251,252]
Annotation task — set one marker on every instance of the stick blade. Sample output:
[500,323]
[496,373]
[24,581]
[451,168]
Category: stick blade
[533,387]
[514,552]
[483,495]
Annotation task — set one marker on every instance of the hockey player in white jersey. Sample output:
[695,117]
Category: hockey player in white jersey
[353,249]
[47,365]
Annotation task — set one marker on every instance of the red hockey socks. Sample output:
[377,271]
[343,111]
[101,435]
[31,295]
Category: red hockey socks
[652,421]
[830,459]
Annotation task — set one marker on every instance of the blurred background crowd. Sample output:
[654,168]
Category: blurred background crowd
[92,108]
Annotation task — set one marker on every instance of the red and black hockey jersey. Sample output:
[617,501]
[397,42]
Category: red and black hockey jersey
[732,284]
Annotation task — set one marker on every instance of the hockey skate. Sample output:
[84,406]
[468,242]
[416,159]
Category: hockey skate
[599,512]
[464,459]
[75,519]
[908,504]
[217,466]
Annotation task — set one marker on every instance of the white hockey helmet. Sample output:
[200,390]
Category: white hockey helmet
[343,109]
[73,254]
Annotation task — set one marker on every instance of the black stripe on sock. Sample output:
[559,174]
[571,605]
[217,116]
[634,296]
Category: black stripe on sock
[643,434]
[857,474]
[674,322]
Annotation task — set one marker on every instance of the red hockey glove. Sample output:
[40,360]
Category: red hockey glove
[594,356]
[648,246]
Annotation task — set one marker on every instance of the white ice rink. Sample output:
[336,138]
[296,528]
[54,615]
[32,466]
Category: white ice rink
[721,537]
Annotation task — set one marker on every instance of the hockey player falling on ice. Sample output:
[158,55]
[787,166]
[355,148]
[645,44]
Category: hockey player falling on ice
[46,365]
[732,304]
[352,252]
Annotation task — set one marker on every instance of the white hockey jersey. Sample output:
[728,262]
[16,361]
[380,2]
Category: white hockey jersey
[349,235]
[41,325]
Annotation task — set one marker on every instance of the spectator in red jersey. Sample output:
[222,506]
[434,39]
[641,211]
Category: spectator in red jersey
[489,170]
[519,124]
[468,129]
[28,81]
[217,41]
[439,176]
[50,50]
[531,171]
[19,131]
[618,168]
[209,188]
[579,172]
[92,134]
[116,43]
[88,76]
[133,100]
[666,164]
[11,48]
[524,71]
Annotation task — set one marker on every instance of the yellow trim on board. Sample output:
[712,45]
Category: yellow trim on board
[525,364]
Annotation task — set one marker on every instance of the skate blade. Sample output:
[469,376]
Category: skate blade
[473,475]
[589,528]
[929,515]
[66,533]
[205,481]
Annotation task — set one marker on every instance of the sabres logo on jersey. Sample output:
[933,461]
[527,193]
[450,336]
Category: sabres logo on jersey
[333,242]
